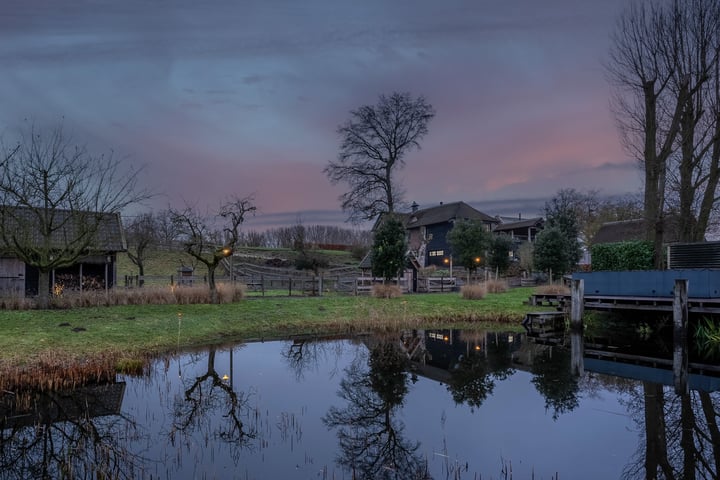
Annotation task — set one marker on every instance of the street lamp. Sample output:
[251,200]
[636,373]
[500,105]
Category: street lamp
[228,252]
[448,261]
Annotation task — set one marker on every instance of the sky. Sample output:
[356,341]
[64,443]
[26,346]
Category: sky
[218,98]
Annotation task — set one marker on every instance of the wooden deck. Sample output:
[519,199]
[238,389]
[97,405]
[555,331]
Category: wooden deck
[662,304]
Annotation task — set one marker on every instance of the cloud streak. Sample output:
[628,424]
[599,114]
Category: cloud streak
[226,97]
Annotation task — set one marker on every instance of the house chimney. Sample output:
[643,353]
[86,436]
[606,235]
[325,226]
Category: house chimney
[414,206]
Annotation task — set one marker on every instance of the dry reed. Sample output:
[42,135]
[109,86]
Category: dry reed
[496,286]
[552,289]
[170,295]
[473,292]
[386,291]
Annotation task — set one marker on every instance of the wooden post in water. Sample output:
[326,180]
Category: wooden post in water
[577,303]
[577,352]
[680,341]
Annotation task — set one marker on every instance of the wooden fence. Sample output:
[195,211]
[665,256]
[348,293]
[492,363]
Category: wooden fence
[296,285]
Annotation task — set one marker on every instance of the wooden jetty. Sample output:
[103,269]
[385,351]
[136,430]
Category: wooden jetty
[655,290]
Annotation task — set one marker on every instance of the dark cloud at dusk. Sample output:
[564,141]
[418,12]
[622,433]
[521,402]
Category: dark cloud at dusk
[230,97]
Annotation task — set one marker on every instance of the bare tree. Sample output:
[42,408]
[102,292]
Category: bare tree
[663,58]
[201,238]
[167,230]
[374,143]
[55,200]
[142,235]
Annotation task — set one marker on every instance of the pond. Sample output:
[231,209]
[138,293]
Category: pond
[441,404]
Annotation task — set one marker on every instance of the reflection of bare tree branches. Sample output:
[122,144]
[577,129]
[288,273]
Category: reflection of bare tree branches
[66,435]
[370,438]
[208,395]
[680,440]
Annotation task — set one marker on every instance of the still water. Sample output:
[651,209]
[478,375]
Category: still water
[440,404]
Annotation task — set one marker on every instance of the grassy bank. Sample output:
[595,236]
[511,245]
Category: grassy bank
[141,330]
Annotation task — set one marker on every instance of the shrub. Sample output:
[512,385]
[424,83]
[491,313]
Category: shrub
[386,291]
[473,292]
[496,286]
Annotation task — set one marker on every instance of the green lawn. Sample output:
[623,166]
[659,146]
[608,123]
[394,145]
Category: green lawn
[150,329]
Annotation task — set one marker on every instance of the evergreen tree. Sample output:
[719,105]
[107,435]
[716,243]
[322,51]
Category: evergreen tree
[389,249]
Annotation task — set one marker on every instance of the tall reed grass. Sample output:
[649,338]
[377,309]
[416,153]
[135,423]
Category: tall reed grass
[386,291]
[473,292]
[170,295]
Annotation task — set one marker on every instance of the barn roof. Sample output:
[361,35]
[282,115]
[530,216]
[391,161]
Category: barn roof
[626,230]
[530,222]
[445,212]
[67,225]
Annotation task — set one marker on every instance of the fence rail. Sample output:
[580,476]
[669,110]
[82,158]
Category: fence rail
[295,285]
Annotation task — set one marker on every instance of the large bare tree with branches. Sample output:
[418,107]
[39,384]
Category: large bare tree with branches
[202,240]
[664,65]
[374,143]
[55,198]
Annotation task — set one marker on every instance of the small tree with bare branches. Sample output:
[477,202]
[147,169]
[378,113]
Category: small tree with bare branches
[200,237]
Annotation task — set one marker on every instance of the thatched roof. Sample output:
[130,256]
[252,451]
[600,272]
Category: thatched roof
[626,230]
[68,226]
[530,222]
[445,212]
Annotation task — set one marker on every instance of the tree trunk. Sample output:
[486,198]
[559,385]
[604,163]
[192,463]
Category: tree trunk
[43,294]
[211,283]
[141,274]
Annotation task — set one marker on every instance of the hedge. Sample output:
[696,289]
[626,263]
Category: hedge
[630,255]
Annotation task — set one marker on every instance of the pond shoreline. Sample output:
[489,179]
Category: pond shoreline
[61,339]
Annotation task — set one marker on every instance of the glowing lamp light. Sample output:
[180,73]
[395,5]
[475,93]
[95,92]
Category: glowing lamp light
[225,378]
[477,347]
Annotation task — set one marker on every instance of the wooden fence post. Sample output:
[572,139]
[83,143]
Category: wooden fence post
[680,341]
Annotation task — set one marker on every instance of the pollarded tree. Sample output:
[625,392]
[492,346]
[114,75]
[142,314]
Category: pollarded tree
[389,249]
[664,64]
[56,199]
[470,241]
[200,237]
[374,144]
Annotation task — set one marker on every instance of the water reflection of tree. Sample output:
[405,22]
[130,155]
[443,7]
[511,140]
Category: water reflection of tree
[370,437]
[680,435]
[203,399]
[306,354]
[473,378]
[66,440]
[554,381]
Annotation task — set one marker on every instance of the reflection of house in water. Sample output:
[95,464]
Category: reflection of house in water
[434,354]
[44,408]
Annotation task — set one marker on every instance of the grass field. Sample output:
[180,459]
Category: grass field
[132,330]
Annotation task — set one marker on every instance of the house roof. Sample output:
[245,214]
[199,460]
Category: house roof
[626,230]
[67,226]
[444,213]
[530,222]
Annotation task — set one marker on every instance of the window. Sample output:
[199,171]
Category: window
[436,253]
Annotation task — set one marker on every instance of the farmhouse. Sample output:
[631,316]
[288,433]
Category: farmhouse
[96,238]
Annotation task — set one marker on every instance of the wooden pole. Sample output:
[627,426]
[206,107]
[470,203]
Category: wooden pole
[577,304]
[577,367]
[680,340]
